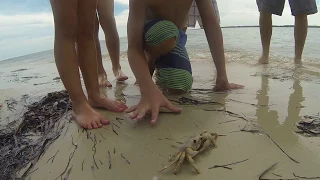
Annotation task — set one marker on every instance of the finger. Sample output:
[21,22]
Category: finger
[142,113]
[134,114]
[172,108]
[131,109]
[154,115]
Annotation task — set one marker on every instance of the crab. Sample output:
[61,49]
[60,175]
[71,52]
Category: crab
[190,148]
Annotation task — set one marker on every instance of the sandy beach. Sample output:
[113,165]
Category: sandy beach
[268,107]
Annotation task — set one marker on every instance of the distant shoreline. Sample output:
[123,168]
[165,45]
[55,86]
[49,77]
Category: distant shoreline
[258,26]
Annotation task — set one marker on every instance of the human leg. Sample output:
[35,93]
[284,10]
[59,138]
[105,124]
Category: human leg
[87,57]
[108,24]
[102,75]
[65,20]
[266,9]
[166,43]
[301,9]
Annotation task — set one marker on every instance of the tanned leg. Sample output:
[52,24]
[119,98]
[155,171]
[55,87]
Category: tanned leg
[108,24]
[88,59]
[265,23]
[102,75]
[300,35]
[65,20]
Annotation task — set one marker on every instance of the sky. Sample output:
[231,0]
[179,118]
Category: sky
[26,26]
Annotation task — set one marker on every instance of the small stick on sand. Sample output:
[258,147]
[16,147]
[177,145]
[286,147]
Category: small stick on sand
[265,171]
[227,121]
[94,149]
[225,166]
[82,164]
[114,150]
[109,157]
[118,121]
[305,177]
[68,174]
[52,158]
[125,159]
[281,149]
[115,125]
[114,130]
[70,158]
[103,136]
[100,162]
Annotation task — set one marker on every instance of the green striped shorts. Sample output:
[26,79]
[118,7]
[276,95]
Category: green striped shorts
[174,69]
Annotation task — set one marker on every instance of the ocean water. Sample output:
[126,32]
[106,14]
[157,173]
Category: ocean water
[242,45]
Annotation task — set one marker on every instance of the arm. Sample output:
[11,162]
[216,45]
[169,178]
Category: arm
[214,36]
[136,56]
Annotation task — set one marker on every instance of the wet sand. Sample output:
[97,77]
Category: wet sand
[137,150]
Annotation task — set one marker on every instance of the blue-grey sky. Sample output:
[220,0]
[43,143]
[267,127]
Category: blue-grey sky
[27,25]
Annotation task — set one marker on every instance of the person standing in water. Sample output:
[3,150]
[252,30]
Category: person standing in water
[105,16]
[300,9]
[74,22]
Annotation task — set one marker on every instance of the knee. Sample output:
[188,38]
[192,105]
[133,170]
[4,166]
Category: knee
[161,38]
[66,30]
[86,30]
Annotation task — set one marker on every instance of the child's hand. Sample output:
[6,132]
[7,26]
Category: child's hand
[151,102]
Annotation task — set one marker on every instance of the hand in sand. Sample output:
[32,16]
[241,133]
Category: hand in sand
[225,85]
[88,118]
[151,102]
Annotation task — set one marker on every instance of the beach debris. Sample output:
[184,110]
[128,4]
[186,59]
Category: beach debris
[303,177]
[114,130]
[11,103]
[24,140]
[281,148]
[267,170]
[226,165]
[19,70]
[56,78]
[53,157]
[82,164]
[109,157]
[309,125]
[190,148]
[70,158]
[125,159]
[94,149]
[189,101]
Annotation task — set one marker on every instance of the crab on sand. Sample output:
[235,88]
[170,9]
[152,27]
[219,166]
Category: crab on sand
[190,148]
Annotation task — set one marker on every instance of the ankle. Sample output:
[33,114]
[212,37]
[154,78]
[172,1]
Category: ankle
[78,106]
[116,67]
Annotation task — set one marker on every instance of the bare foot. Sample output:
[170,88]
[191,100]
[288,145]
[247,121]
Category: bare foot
[224,86]
[105,103]
[264,60]
[103,80]
[87,117]
[120,76]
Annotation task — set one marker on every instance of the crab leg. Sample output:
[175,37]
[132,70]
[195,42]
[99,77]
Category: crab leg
[206,144]
[177,157]
[191,161]
[181,159]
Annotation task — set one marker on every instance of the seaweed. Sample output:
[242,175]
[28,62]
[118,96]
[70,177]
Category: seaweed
[23,141]
[309,125]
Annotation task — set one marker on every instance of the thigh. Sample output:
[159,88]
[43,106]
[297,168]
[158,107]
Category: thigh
[303,7]
[65,16]
[106,7]
[271,6]
[87,15]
